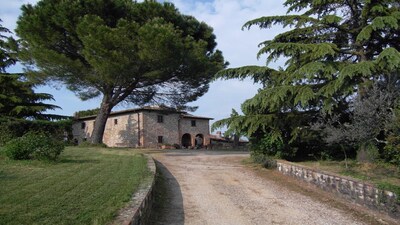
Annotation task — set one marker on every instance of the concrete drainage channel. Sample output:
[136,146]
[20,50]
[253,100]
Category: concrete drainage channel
[139,209]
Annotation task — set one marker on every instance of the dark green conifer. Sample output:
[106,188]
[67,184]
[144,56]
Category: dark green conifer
[333,50]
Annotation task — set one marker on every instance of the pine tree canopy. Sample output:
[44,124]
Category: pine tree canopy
[333,48]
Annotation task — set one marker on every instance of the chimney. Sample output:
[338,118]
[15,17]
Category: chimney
[219,135]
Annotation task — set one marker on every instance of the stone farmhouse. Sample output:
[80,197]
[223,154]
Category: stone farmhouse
[148,127]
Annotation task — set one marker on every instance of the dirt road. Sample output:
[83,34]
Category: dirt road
[204,187]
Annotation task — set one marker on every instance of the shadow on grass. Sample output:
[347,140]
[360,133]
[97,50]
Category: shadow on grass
[6,176]
[79,161]
[168,200]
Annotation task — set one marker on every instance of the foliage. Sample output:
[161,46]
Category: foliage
[366,123]
[268,146]
[19,100]
[17,97]
[124,51]
[367,117]
[11,129]
[86,186]
[265,160]
[39,146]
[391,152]
[368,153]
[334,50]
[89,112]
[7,49]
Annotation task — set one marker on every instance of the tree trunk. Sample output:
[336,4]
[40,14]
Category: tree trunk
[101,120]
[235,140]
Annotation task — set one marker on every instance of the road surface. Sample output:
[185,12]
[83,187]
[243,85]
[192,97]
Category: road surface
[205,187]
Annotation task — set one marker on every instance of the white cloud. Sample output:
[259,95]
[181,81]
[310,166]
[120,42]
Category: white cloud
[238,46]
[227,18]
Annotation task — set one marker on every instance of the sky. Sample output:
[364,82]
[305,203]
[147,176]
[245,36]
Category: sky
[239,48]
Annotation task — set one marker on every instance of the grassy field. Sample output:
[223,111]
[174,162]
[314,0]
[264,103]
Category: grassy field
[380,174]
[87,186]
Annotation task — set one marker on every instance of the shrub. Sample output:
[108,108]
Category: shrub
[368,152]
[39,146]
[13,128]
[265,160]
[267,145]
[392,150]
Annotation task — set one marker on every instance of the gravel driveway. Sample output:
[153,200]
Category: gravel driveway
[205,187]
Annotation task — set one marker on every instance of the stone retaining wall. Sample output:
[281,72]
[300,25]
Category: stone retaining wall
[357,191]
[139,208]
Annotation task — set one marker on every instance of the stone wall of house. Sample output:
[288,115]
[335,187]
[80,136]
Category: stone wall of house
[168,129]
[202,127]
[142,129]
[82,130]
[120,130]
[351,189]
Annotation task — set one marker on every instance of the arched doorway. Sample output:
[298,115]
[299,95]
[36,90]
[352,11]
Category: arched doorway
[186,140]
[199,141]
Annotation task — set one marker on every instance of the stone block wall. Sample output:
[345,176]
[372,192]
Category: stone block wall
[82,132]
[120,131]
[351,189]
[143,129]
[168,129]
[202,127]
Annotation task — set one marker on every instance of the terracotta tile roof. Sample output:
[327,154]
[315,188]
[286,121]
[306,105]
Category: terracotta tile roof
[186,115]
[149,108]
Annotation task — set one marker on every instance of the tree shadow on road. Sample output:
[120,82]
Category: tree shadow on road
[168,204]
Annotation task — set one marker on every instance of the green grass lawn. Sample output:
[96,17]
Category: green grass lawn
[87,186]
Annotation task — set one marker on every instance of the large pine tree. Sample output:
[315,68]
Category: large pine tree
[121,51]
[334,49]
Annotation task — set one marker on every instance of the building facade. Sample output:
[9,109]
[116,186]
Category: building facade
[148,127]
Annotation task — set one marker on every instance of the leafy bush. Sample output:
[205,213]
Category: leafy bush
[39,146]
[89,112]
[11,129]
[269,145]
[5,135]
[392,150]
[265,160]
[368,152]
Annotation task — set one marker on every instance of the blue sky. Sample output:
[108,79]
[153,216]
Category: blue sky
[238,46]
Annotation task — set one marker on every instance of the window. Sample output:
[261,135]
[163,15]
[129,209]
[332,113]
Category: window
[160,119]
[193,123]
[160,139]
[83,125]
[115,121]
